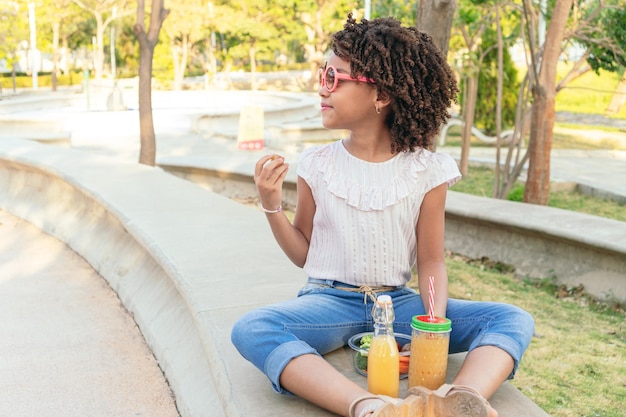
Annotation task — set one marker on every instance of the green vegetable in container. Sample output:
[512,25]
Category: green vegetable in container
[361,361]
[361,357]
[366,341]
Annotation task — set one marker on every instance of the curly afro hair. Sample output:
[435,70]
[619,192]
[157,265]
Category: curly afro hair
[406,67]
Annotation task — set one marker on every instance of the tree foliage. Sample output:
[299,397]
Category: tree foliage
[611,30]
[402,10]
[13,30]
[486,100]
[104,12]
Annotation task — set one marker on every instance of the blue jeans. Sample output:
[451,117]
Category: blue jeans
[322,318]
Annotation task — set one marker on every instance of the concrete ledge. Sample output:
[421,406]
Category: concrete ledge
[186,262]
[49,138]
[541,242]
[43,100]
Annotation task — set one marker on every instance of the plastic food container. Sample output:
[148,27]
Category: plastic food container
[359,356]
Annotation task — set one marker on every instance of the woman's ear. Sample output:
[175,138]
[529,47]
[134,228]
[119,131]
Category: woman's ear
[382,100]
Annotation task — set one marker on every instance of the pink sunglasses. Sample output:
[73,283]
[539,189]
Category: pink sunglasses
[329,78]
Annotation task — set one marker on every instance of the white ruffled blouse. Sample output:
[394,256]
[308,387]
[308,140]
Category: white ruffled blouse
[366,213]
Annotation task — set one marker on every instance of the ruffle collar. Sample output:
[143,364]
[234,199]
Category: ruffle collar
[396,178]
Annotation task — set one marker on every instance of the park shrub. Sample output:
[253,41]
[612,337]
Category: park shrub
[43,80]
[517,193]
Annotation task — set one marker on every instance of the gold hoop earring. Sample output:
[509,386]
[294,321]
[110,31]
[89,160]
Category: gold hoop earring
[377,110]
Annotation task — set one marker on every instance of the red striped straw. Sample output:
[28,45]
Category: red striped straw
[431,298]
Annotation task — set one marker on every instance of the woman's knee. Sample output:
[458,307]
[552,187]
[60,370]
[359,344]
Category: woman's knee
[239,332]
[254,327]
[242,333]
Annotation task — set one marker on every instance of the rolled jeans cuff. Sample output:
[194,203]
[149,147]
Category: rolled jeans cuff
[505,343]
[280,357]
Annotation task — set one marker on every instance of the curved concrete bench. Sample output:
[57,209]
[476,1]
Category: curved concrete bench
[179,268]
[186,262]
[67,97]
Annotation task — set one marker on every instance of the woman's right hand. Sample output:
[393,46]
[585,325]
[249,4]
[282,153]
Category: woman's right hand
[269,175]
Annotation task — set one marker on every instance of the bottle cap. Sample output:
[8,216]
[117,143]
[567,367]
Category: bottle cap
[438,325]
[384,298]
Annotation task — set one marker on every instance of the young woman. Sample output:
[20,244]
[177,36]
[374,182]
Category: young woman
[369,208]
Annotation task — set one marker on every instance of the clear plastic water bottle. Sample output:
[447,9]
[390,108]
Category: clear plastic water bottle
[383,366]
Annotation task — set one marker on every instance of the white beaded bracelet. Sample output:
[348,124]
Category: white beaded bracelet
[278,210]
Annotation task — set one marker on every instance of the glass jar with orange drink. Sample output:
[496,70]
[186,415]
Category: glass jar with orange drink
[383,358]
[429,351]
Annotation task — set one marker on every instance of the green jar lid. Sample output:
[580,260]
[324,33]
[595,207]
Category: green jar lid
[438,325]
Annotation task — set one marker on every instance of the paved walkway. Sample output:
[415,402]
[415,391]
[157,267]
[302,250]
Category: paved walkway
[601,172]
[69,348]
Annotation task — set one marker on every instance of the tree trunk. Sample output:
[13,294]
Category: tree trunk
[619,97]
[538,182]
[211,62]
[176,61]
[252,55]
[13,78]
[147,43]
[537,189]
[499,101]
[469,107]
[99,47]
[434,17]
[147,154]
[65,55]
[55,53]
[180,61]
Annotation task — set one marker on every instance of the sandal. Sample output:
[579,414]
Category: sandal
[453,401]
[370,410]
[413,406]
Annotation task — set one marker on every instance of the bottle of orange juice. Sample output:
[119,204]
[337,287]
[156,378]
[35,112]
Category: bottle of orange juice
[383,358]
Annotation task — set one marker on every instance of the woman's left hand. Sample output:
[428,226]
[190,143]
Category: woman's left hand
[269,175]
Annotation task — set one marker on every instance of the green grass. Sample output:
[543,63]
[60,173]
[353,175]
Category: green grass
[567,136]
[582,203]
[575,365]
[589,94]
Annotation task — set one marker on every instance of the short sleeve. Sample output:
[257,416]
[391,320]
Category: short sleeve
[441,168]
[306,163]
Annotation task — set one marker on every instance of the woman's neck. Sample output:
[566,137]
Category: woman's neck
[369,147]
